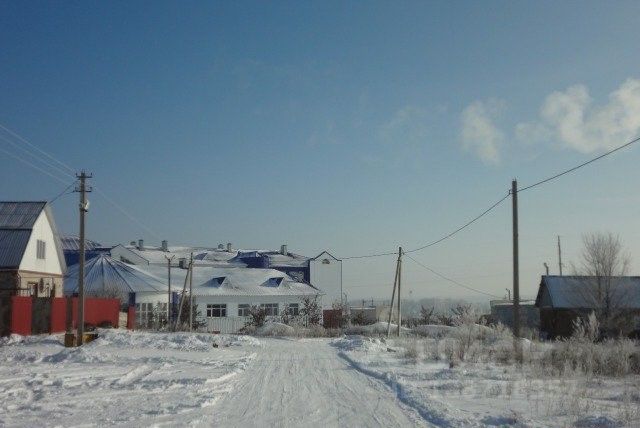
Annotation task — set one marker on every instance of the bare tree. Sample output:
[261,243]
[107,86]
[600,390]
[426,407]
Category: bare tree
[603,261]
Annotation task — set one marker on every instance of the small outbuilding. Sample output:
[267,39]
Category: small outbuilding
[563,299]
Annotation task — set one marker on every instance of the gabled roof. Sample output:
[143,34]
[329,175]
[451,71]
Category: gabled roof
[581,292]
[20,215]
[16,224]
[326,253]
[103,272]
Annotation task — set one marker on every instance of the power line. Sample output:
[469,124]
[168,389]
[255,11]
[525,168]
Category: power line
[13,155]
[24,140]
[453,281]
[464,226]
[59,170]
[64,192]
[553,177]
[55,168]
[395,253]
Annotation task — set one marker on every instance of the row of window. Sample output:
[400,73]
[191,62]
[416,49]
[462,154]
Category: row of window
[218,310]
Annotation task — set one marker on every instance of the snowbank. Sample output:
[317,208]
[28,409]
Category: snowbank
[275,329]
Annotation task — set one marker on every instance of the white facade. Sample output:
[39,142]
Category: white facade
[50,262]
[325,273]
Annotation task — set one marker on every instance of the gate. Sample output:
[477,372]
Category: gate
[41,315]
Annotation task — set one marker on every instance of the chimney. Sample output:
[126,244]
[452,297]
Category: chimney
[165,246]
[229,246]
[283,249]
[182,263]
[141,244]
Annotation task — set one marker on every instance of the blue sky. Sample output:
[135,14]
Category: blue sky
[350,126]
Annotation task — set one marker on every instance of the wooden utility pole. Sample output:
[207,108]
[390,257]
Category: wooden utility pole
[559,256]
[393,296]
[84,207]
[169,259]
[191,294]
[516,273]
[184,292]
[399,289]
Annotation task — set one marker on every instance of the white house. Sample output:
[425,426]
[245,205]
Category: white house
[325,272]
[31,259]
[225,295]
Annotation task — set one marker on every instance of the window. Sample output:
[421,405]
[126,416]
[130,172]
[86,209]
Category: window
[40,249]
[273,282]
[271,309]
[294,309]
[216,311]
[243,309]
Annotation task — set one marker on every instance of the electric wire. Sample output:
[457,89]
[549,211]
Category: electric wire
[24,140]
[37,158]
[453,281]
[59,170]
[464,226]
[553,177]
[26,162]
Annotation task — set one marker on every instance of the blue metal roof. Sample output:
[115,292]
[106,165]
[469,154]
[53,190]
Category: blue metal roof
[105,273]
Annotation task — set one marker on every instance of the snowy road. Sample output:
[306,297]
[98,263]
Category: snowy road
[293,383]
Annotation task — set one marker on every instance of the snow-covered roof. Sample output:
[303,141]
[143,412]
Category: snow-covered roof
[201,256]
[581,292]
[234,281]
[105,273]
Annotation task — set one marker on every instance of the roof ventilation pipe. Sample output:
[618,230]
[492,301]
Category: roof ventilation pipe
[165,246]
[220,246]
[283,249]
[229,248]
[141,244]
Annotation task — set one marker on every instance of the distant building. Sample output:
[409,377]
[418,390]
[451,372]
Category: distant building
[31,258]
[323,272]
[563,299]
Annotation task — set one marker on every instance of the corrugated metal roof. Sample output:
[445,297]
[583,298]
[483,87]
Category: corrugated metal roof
[19,215]
[13,243]
[581,292]
[72,243]
[105,273]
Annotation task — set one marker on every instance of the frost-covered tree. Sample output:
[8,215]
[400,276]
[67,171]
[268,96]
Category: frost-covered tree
[603,259]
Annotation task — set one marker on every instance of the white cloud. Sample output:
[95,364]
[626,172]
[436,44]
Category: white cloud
[479,133]
[571,118]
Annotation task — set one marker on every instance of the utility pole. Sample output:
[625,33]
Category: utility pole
[393,296]
[399,292]
[191,294]
[169,259]
[84,207]
[559,256]
[516,273]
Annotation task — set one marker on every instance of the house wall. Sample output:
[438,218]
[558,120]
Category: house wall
[326,275]
[51,264]
[232,302]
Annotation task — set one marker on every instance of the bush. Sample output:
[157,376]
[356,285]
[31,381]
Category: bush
[257,316]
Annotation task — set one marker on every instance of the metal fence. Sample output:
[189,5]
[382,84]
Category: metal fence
[226,324]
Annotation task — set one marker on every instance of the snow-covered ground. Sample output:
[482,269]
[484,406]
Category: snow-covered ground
[489,394]
[122,378]
[163,379]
